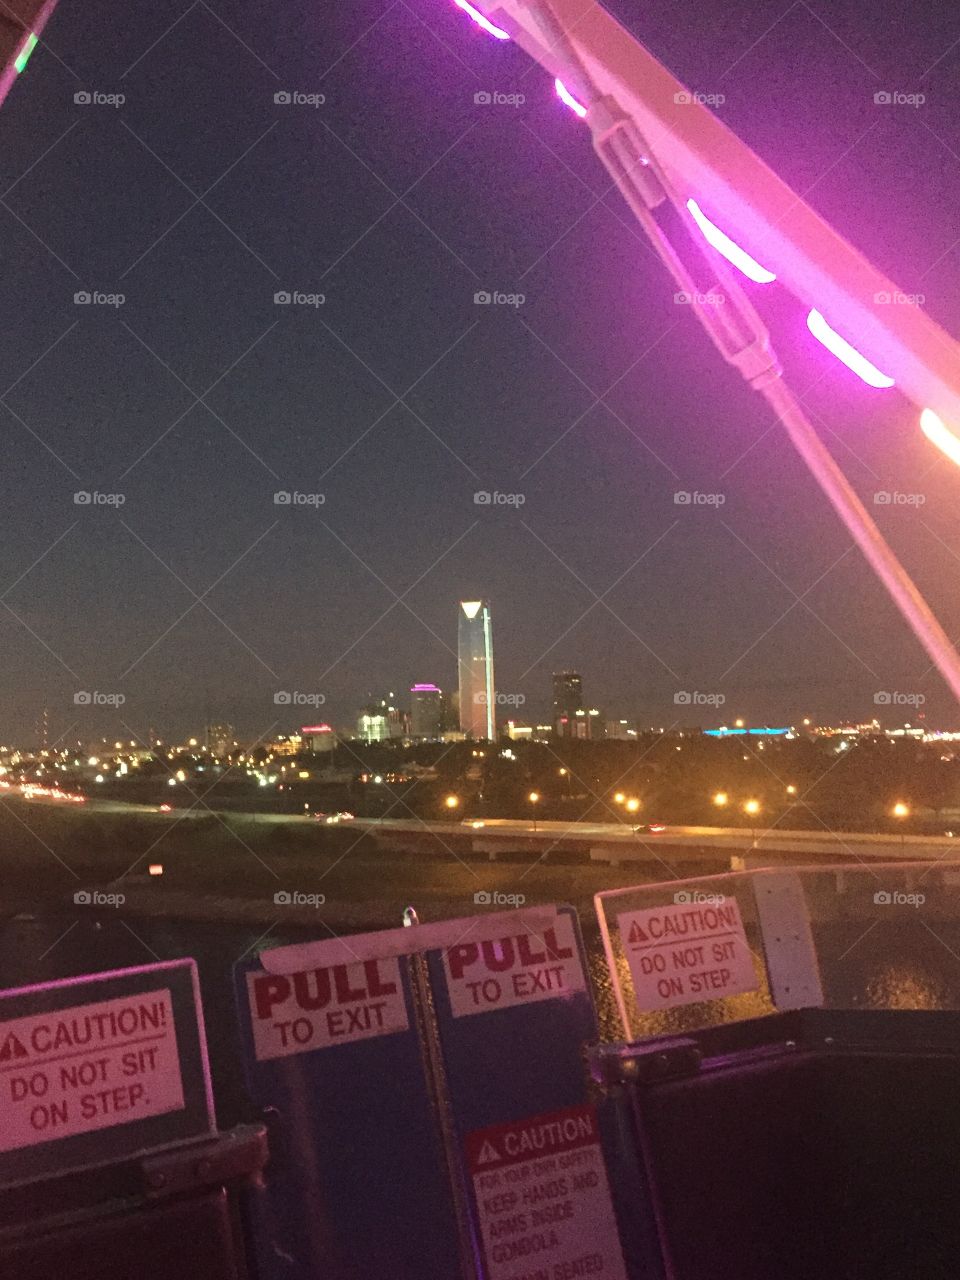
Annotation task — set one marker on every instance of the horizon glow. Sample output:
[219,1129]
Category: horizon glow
[729,248]
[567,98]
[938,433]
[847,354]
[481,20]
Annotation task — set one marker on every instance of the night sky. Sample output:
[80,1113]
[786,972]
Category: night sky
[397,199]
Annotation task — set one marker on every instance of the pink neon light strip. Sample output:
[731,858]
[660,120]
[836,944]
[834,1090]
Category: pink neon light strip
[844,352]
[567,98]
[730,250]
[938,433]
[481,20]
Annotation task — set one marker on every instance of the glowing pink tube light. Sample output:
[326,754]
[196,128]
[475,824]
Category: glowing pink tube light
[938,433]
[731,251]
[567,98]
[842,349]
[481,20]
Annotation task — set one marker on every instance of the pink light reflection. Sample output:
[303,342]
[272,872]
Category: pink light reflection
[847,354]
[481,19]
[567,98]
[938,433]
[730,250]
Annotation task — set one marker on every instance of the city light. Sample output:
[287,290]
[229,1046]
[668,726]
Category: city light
[901,810]
[752,807]
[791,789]
[633,805]
[452,802]
[567,98]
[938,433]
[619,798]
[533,797]
[720,799]
[848,355]
[481,20]
[724,245]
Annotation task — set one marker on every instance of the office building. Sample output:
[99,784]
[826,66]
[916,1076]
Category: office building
[475,661]
[567,701]
[426,712]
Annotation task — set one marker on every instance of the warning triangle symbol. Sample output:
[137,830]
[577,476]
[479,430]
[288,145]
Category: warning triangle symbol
[12,1048]
[488,1153]
[637,934]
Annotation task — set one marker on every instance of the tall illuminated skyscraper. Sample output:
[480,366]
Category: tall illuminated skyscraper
[475,651]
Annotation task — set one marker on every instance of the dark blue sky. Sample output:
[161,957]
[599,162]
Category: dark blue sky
[397,199]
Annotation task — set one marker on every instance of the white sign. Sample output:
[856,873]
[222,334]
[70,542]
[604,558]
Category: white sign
[543,1199]
[89,1067]
[520,967]
[317,1008]
[683,954]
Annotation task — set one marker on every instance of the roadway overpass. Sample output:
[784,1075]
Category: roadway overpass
[616,844]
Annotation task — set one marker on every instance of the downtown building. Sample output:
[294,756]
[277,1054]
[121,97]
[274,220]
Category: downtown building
[475,663]
[426,712]
[567,701]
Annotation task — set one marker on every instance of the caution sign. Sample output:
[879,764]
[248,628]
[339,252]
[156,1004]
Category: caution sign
[97,1068]
[300,1012]
[543,1199]
[685,953]
[89,1067]
[523,966]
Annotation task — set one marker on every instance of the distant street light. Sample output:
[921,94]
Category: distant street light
[752,808]
[901,811]
[452,802]
[534,798]
[791,789]
[619,798]
[633,805]
[720,799]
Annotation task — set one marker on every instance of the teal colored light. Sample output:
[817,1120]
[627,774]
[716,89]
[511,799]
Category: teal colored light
[25,53]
